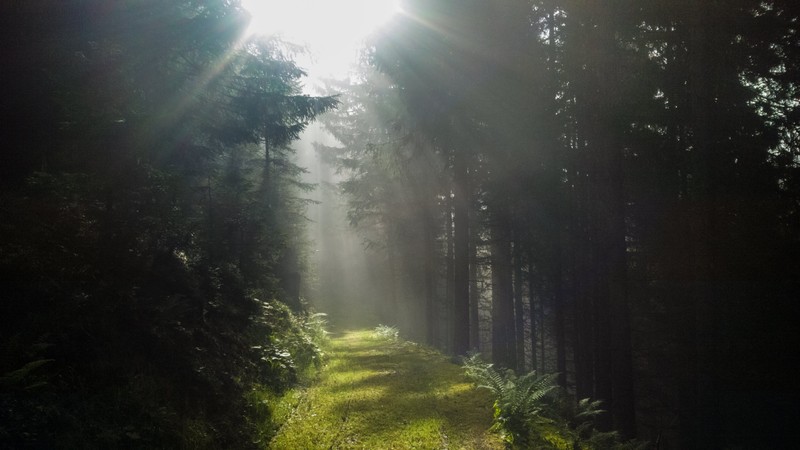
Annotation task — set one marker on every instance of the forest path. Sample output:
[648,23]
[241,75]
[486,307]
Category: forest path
[377,393]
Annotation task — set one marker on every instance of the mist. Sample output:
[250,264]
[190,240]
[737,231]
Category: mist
[343,279]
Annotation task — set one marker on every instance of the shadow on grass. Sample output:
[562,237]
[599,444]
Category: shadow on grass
[395,390]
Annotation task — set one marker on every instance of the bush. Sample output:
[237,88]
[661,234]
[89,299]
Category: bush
[285,362]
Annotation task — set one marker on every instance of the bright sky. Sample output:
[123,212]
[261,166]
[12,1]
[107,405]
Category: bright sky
[332,29]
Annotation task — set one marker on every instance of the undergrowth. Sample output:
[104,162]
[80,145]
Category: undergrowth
[232,390]
[271,403]
[387,332]
[531,411]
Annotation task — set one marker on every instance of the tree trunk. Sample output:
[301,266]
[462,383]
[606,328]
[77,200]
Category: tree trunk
[532,312]
[461,254]
[390,311]
[559,307]
[542,344]
[474,295]
[519,318]
[449,284]
[613,368]
[581,288]
[429,269]
[619,311]
[503,339]
[699,422]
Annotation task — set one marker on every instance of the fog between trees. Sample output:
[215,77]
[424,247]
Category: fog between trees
[607,190]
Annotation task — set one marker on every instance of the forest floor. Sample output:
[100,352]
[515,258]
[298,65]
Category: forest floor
[379,393]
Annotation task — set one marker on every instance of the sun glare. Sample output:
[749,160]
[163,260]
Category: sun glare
[331,29]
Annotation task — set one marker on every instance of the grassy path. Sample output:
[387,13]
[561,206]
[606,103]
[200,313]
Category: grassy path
[379,394]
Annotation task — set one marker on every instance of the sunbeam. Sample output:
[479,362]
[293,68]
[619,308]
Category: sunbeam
[332,30]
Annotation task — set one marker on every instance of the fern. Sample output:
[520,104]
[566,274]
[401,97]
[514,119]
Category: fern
[531,412]
[521,402]
[23,378]
[580,428]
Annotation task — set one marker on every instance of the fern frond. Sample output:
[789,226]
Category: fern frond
[588,409]
[485,376]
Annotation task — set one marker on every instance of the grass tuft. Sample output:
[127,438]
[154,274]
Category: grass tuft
[387,332]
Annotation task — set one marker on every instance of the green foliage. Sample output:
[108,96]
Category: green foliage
[23,378]
[581,431]
[291,344]
[139,229]
[269,410]
[532,412]
[284,363]
[521,403]
[314,327]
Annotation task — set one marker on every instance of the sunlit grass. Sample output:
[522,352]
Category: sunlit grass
[384,394]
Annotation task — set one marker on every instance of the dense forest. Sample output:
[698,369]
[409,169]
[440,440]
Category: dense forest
[608,191]
[151,244]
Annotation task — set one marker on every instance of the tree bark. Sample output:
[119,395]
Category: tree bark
[429,268]
[699,425]
[559,305]
[601,96]
[503,339]
[519,318]
[461,253]
[532,312]
[474,294]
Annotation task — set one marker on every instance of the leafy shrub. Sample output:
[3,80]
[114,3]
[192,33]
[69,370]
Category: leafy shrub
[286,345]
[314,327]
[284,360]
